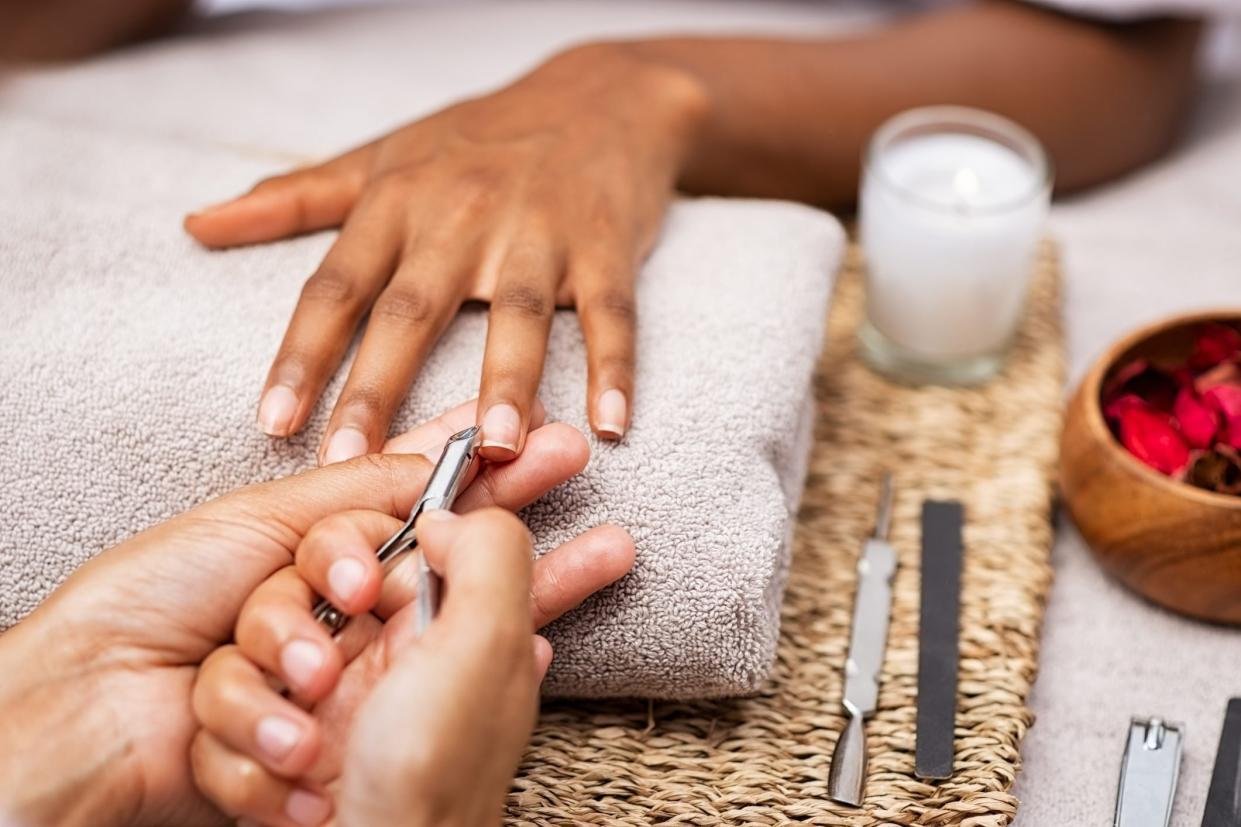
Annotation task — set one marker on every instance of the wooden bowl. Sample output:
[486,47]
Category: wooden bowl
[1171,542]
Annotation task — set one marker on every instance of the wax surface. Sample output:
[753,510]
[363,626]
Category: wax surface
[957,170]
[949,223]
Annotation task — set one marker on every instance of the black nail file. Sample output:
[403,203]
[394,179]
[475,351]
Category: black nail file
[938,651]
[1224,797]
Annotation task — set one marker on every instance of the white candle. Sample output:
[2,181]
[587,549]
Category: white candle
[950,220]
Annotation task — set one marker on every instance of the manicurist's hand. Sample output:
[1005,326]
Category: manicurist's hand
[95,700]
[435,726]
[450,757]
[547,192]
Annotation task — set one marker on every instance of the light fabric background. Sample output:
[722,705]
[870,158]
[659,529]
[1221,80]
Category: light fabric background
[1163,240]
[133,357]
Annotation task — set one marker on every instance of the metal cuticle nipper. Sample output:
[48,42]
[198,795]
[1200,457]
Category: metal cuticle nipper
[458,460]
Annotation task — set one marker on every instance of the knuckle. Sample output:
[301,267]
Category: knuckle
[247,787]
[268,184]
[479,184]
[619,305]
[613,362]
[486,483]
[396,184]
[230,696]
[295,360]
[523,300]
[395,479]
[406,306]
[254,628]
[369,401]
[602,216]
[477,193]
[201,765]
[235,786]
[331,285]
[548,595]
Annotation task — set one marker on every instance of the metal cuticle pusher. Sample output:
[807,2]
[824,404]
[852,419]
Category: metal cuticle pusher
[846,779]
[458,460]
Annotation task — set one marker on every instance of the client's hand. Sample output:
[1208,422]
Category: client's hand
[95,713]
[465,692]
[549,191]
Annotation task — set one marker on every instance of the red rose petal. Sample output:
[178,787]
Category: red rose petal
[1114,409]
[1197,420]
[1215,343]
[1123,376]
[1152,437]
[1227,400]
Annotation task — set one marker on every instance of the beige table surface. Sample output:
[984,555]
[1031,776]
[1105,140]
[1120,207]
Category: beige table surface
[1165,240]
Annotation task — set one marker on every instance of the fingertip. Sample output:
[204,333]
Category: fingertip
[610,418]
[345,444]
[497,453]
[277,411]
[307,807]
[309,667]
[570,444]
[354,585]
[543,654]
[206,227]
[615,549]
[286,745]
[502,432]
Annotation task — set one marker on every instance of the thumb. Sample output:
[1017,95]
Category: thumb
[300,201]
[390,483]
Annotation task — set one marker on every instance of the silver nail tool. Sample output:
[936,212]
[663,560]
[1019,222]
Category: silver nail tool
[459,457]
[1148,773]
[846,780]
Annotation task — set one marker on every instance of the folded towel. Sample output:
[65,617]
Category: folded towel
[131,361]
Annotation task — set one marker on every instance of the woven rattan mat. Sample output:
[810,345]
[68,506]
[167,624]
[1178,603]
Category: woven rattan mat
[764,760]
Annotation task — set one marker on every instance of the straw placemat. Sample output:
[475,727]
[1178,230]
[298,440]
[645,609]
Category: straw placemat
[764,760]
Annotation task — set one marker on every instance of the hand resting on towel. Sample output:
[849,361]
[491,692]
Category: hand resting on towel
[551,190]
[95,705]
[547,192]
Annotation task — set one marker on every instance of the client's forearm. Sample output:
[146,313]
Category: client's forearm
[66,29]
[789,118]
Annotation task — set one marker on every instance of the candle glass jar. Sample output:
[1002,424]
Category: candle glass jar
[952,209]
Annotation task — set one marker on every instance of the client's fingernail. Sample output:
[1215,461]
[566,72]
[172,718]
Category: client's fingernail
[301,661]
[611,413]
[346,443]
[345,577]
[437,515]
[277,736]
[276,410]
[306,807]
[501,427]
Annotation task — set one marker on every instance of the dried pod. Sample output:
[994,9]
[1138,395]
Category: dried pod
[1218,470]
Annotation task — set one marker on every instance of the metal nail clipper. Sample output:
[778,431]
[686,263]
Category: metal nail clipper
[1148,773]
[846,779]
[458,459]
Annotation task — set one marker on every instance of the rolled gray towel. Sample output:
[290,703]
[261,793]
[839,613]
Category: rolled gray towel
[131,360]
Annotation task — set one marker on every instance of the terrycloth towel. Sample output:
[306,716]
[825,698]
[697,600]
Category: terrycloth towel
[131,360]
